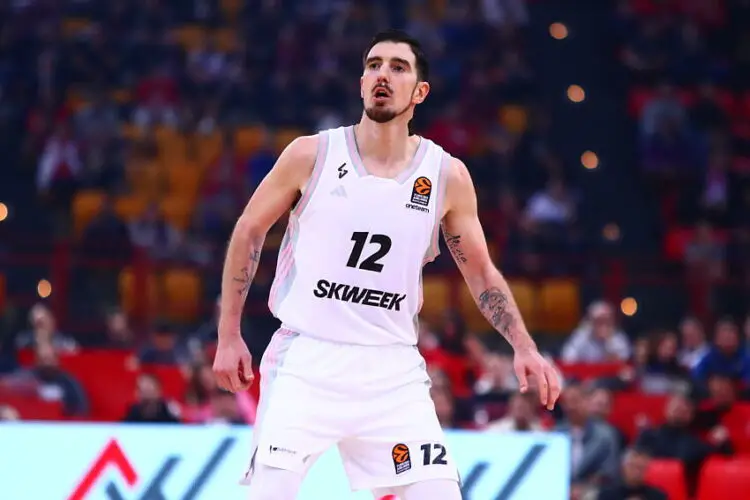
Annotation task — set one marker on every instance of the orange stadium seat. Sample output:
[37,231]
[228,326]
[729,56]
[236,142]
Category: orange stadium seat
[146,178]
[284,137]
[190,37]
[172,146]
[629,407]
[474,319]
[724,478]
[525,294]
[72,27]
[514,118]
[130,207]
[183,294]
[669,476]
[436,295]
[184,180]
[178,211]
[208,147]
[247,140]
[129,291]
[86,205]
[559,305]
[226,39]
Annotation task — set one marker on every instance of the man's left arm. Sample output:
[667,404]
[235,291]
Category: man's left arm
[466,241]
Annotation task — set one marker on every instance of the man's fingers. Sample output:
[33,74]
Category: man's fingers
[554,383]
[523,383]
[543,384]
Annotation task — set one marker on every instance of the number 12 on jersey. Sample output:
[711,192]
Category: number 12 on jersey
[370,263]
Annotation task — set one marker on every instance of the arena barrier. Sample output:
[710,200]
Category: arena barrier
[69,461]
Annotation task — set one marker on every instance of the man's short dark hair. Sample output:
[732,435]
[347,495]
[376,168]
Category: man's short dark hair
[398,36]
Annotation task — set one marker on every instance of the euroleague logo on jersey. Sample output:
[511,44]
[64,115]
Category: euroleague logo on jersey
[401,458]
[420,195]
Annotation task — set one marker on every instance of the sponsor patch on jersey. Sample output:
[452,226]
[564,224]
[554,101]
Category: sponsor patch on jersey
[420,193]
[357,295]
[401,458]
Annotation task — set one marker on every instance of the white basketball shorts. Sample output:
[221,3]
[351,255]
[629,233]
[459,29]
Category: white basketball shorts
[373,402]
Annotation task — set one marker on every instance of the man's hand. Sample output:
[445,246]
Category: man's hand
[528,362]
[233,366]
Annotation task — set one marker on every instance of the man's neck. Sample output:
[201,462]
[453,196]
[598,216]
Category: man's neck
[386,143]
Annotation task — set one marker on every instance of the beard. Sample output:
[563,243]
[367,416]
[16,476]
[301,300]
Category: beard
[382,114]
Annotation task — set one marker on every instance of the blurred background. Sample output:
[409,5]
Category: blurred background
[609,142]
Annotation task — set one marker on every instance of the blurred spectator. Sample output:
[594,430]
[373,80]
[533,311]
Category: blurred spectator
[594,448]
[522,415]
[60,173]
[8,414]
[551,207]
[663,372]
[44,331]
[153,233]
[632,481]
[694,345]
[157,97]
[150,406]
[163,348]
[726,356]
[722,397]
[206,403]
[261,161]
[664,109]
[704,254]
[118,334]
[597,339]
[47,381]
[601,402]
[674,438]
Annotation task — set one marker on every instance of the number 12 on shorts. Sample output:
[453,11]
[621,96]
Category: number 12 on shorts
[433,454]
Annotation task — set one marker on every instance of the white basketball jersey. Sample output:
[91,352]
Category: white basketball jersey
[350,265]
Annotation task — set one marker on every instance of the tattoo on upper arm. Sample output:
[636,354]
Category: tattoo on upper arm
[454,245]
[494,306]
[247,273]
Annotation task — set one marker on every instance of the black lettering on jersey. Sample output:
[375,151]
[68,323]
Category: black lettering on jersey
[417,208]
[366,296]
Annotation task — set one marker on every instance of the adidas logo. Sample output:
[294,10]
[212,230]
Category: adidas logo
[339,191]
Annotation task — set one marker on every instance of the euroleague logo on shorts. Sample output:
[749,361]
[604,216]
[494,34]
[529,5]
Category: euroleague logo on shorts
[401,458]
[420,195]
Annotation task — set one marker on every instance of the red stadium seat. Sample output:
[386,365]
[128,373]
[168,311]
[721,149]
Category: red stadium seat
[668,476]
[723,478]
[737,422]
[32,408]
[107,379]
[628,408]
[588,371]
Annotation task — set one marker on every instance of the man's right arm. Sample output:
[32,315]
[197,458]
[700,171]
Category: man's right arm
[274,196]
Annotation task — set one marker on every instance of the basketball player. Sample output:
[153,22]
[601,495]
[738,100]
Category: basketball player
[344,369]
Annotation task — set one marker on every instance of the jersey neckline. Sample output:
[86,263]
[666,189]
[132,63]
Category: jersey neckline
[359,165]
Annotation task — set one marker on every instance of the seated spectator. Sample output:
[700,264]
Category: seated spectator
[594,443]
[705,254]
[163,348]
[456,360]
[150,406]
[694,345]
[631,483]
[674,438]
[726,356]
[664,108]
[670,151]
[44,330]
[522,415]
[206,403]
[597,339]
[722,397]
[600,407]
[663,373]
[49,382]
[153,233]
[551,207]
[118,334]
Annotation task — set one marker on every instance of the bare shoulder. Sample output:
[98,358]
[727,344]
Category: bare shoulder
[459,186]
[296,162]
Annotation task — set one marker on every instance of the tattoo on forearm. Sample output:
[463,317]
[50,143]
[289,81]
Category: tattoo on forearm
[454,245]
[494,306]
[246,274]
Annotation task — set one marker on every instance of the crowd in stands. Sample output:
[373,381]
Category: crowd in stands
[168,113]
